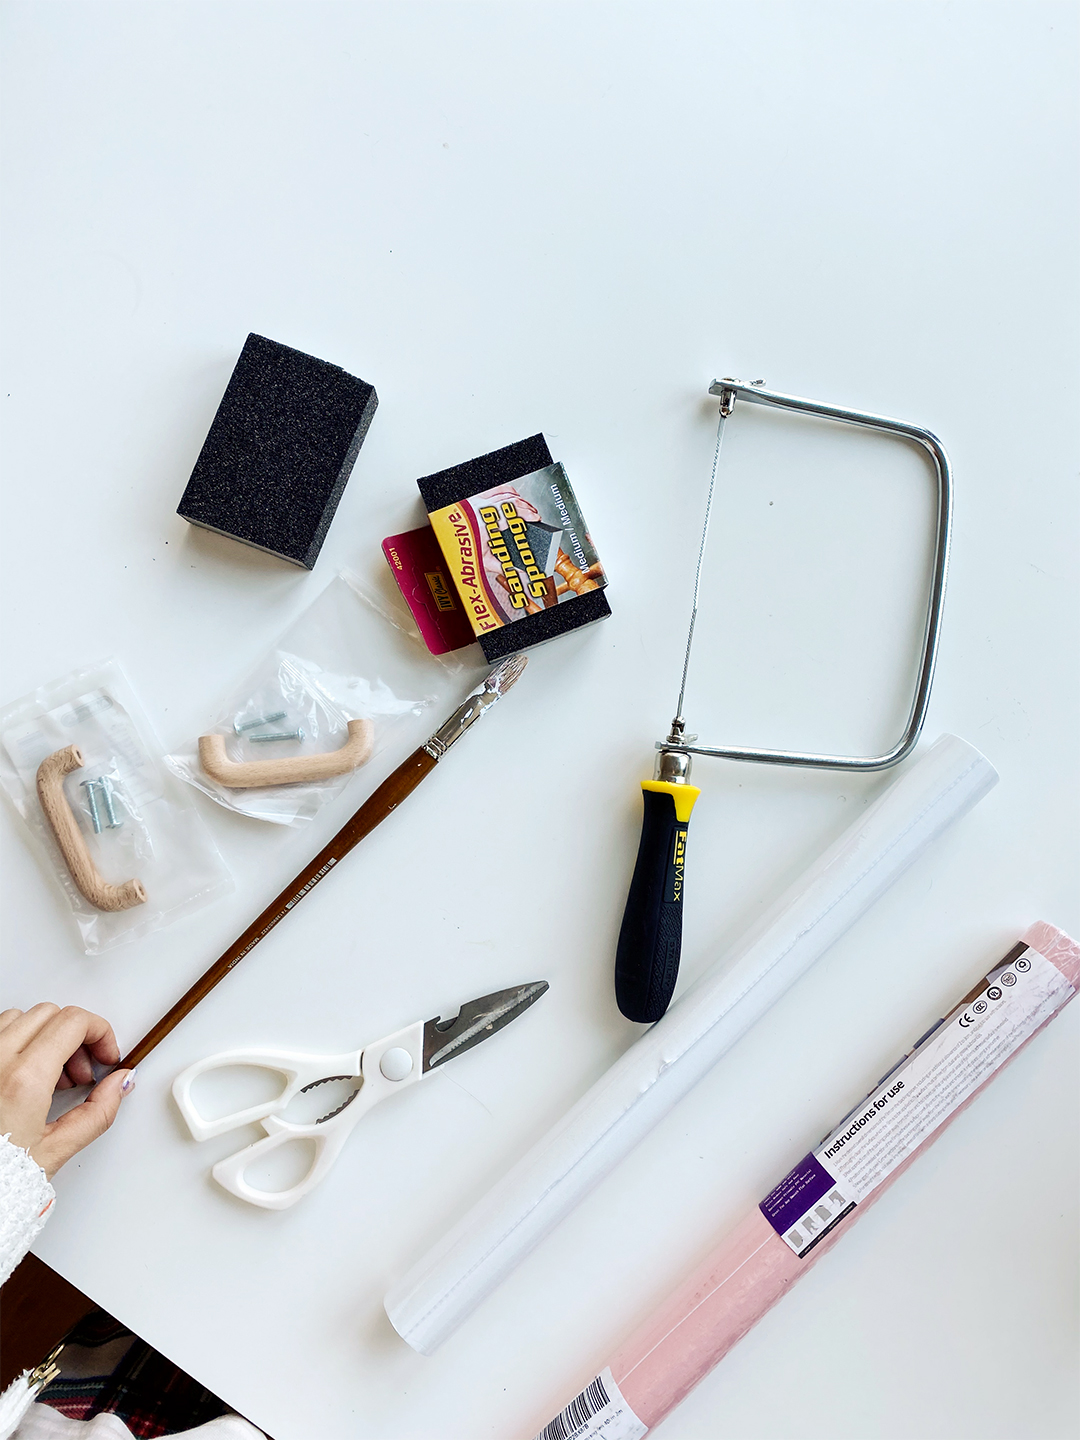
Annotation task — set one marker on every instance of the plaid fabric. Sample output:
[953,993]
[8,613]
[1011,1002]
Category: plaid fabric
[105,1369]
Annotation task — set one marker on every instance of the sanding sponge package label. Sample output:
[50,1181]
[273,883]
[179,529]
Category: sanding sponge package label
[133,831]
[518,549]
[917,1096]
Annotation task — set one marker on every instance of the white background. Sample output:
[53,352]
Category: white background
[569,218]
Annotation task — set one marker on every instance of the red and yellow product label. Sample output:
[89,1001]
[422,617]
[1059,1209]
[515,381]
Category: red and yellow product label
[517,549]
[457,532]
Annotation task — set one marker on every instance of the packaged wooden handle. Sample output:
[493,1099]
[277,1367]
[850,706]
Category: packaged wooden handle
[292,770]
[50,788]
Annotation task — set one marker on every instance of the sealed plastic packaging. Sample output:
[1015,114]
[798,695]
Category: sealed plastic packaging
[317,707]
[83,769]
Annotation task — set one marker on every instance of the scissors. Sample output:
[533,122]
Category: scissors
[380,1070]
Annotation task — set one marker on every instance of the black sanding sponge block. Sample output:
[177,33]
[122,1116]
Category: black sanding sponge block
[516,463]
[282,446]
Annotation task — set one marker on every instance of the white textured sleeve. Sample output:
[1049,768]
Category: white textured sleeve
[26,1199]
[428,1303]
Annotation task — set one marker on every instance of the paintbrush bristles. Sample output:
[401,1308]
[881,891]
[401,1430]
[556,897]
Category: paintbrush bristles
[506,674]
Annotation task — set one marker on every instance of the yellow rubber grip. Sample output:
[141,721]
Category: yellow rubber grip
[684,796]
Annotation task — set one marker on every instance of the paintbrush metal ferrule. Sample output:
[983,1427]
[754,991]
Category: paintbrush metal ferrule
[494,686]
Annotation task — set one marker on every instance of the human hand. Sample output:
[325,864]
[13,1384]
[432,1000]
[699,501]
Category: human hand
[47,1049]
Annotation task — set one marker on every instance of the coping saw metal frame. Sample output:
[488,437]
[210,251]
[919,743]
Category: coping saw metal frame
[757,394]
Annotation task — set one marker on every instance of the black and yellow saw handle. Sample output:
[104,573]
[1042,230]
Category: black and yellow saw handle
[650,941]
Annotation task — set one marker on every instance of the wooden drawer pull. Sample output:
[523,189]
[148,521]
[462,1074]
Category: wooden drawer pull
[50,788]
[244,775]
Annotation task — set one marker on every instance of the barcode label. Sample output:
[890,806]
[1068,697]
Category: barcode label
[598,1413]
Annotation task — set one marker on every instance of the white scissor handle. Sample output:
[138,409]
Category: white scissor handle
[298,1070]
[230,1173]
[386,1067]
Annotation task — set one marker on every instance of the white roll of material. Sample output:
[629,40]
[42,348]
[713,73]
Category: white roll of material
[429,1303]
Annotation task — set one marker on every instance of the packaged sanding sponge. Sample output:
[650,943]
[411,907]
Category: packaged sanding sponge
[512,563]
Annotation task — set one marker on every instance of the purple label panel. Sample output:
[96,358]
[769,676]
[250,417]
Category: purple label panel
[798,1190]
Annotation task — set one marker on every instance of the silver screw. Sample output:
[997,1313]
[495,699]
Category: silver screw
[262,720]
[289,735]
[110,809]
[91,801]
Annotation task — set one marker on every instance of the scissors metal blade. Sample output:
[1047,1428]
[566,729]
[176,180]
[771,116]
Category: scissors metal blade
[356,1081]
[475,1021]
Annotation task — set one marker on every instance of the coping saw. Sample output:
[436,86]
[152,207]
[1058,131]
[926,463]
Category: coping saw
[650,940]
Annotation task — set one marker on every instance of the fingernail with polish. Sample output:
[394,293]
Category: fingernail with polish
[129,1083]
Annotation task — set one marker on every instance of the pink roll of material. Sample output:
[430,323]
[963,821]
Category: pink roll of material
[755,1265]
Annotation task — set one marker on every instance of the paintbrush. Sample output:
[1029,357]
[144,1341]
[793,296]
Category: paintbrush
[376,808]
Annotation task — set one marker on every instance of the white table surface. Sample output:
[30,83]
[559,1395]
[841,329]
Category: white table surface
[569,218]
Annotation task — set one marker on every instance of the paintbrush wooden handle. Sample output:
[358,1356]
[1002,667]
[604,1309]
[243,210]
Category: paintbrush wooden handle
[394,789]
